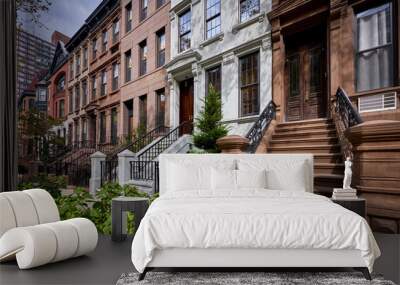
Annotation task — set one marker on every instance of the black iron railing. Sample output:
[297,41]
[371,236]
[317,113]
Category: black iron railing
[166,141]
[109,171]
[346,111]
[145,171]
[259,127]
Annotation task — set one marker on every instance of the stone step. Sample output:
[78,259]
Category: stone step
[314,149]
[328,158]
[302,134]
[305,141]
[305,122]
[303,128]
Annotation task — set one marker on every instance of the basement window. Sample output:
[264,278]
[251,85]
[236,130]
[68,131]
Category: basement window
[379,102]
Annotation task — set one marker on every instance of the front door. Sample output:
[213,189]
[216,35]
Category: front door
[186,102]
[305,77]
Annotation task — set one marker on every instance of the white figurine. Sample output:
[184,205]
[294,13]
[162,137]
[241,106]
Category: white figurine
[347,174]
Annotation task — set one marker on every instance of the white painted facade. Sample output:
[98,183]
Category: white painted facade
[235,40]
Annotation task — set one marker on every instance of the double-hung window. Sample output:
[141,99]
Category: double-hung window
[103,83]
[78,63]
[128,66]
[84,92]
[185,22]
[143,58]
[249,84]
[102,127]
[213,18]
[94,87]
[85,57]
[143,9]
[248,8]
[161,47]
[128,17]
[104,40]
[115,71]
[115,29]
[160,3]
[374,48]
[213,78]
[114,126]
[61,109]
[94,48]
[77,97]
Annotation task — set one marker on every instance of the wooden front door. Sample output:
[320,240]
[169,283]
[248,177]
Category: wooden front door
[305,77]
[186,103]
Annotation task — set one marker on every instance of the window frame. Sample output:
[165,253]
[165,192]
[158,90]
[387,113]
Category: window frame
[103,87]
[104,41]
[159,3]
[115,80]
[102,127]
[128,69]
[180,35]
[115,31]
[114,127]
[143,62]
[160,52]
[94,48]
[94,87]
[248,18]
[207,20]
[143,10]
[207,81]
[241,114]
[394,42]
[128,14]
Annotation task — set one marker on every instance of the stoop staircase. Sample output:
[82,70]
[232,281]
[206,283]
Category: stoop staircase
[318,137]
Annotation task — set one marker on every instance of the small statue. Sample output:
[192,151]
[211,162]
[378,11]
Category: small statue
[347,174]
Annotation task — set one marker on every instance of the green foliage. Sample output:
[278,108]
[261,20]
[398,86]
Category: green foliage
[53,184]
[209,123]
[98,209]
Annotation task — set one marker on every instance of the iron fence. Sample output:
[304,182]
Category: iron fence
[108,171]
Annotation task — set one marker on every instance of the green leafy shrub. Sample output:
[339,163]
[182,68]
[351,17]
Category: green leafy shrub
[53,184]
[209,123]
[98,208]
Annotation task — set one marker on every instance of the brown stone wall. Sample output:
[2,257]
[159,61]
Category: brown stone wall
[155,78]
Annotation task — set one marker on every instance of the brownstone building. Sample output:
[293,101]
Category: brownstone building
[144,52]
[317,47]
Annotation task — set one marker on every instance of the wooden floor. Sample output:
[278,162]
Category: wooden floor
[110,260]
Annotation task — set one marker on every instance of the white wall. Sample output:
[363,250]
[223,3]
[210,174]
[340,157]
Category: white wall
[225,50]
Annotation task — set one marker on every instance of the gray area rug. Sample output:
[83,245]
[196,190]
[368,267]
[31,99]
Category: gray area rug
[236,278]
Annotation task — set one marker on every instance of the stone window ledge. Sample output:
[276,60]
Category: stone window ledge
[257,18]
[218,37]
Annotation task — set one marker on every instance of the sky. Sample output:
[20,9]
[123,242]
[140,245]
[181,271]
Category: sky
[65,16]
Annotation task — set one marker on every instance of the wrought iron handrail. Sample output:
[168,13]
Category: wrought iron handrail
[345,116]
[145,170]
[153,151]
[348,114]
[259,127]
[142,141]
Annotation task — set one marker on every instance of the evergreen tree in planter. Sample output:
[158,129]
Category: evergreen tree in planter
[208,123]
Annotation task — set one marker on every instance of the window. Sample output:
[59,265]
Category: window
[94,48]
[94,86]
[249,86]
[115,70]
[102,127]
[128,17]
[143,9]
[143,111]
[71,68]
[31,104]
[161,47]
[84,130]
[213,77]
[77,97]
[184,30]
[128,66]
[160,107]
[213,18]
[85,57]
[78,63]
[84,93]
[76,131]
[60,84]
[42,95]
[70,103]
[61,108]
[160,3]
[115,28]
[248,8]
[374,54]
[103,83]
[104,41]
[143,58]
[114,126]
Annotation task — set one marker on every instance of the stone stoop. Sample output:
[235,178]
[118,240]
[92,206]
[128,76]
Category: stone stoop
[319,138]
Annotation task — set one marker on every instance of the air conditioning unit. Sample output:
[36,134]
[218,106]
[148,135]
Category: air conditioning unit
[379,102]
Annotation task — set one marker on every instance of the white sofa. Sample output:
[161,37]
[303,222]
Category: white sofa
[31,231]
